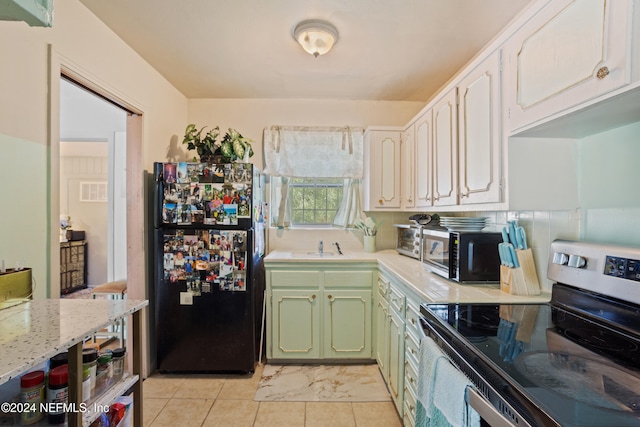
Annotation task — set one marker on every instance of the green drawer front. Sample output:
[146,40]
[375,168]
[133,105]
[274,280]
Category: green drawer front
[396,300]
[297,279]
[413,318]
[412,348]
[358,279]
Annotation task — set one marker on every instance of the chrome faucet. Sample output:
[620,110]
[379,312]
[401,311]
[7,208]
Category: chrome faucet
[320,247]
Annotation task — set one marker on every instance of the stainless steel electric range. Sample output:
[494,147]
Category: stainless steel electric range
[572,362]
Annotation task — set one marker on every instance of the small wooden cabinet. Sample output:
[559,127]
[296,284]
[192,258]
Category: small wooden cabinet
[73,266]
[319,312]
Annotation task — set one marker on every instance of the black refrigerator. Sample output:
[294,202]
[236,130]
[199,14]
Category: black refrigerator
[209,243]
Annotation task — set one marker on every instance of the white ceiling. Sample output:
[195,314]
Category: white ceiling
[396,50]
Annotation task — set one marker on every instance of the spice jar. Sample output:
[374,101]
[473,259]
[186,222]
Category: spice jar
[31,394]
[103,372]
[58,393]
[59,360]
[89,366]
[117,362]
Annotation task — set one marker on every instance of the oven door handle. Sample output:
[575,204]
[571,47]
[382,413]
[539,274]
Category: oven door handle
[486,410]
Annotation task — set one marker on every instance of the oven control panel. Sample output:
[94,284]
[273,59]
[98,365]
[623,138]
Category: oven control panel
[606,269]
[625,268]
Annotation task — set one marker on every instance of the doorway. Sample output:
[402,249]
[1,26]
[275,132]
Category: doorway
[93,188]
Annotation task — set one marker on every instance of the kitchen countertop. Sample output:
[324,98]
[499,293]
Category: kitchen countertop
[431,287]
[32,332]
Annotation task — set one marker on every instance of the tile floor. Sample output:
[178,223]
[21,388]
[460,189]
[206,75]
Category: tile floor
[227,401]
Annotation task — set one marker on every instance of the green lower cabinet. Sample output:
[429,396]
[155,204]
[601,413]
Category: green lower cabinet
[319,313]
[396,359]
[295,325]
[382,337]
[347,324]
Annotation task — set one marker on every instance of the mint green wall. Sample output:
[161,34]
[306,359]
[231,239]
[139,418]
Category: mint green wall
[609,180]
[24,207]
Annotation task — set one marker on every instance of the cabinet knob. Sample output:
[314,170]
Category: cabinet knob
[413,321]
[330,297]
[380,202]
[602,73]
[313,296]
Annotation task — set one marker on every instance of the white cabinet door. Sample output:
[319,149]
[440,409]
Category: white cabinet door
[479,137]
[407,168]
[569,53]
[382,190]
[424,171]
[445,153]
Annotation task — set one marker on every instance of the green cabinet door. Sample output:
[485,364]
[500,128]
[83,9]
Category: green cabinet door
[295,325]
[347,324]
[396,359]
[382,337]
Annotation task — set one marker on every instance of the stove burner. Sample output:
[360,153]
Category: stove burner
[485,319]
[599,339]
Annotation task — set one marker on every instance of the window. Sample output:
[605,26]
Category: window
[314,174]
[315,201]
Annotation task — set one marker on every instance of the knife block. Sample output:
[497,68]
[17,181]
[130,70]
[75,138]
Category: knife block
[522,280]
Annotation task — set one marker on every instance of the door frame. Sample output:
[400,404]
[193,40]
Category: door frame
[136,248]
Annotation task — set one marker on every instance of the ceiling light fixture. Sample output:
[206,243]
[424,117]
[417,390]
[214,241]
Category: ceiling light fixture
[315,36]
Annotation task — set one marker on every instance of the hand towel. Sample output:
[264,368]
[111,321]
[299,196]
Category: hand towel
[430,353]
[449,395]
[441,391]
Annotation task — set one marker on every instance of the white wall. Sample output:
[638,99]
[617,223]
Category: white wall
[251,116]
[83,44]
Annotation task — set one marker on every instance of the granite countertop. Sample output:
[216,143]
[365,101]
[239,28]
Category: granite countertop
[32,332]
[429,286]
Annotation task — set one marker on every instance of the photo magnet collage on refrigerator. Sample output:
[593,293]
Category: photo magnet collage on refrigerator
[209,194]
[206,259]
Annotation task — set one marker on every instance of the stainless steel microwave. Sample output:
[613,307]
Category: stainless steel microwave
[408,240]
[462,256]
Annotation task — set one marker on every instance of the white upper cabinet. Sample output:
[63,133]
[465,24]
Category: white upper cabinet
[445,150]
[424,160]
[480,133]
[382,170]
[407,168]
[569,53]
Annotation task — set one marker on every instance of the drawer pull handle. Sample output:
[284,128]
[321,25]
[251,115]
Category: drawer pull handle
[413,321]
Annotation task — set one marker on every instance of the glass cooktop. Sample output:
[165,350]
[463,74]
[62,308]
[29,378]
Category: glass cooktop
[562,364]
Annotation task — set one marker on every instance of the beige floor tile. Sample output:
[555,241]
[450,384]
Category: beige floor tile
[334,414]
[199,388]
[183,413]
[242,387]
[376,414]
[232,413]
[151,409]
[280,414]
[161,386]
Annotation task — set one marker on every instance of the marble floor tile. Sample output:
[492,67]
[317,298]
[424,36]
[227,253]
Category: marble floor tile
[232,413]
[376,414]
[334,414]
[183,413]
[280,414]
[151,409]
[323,383]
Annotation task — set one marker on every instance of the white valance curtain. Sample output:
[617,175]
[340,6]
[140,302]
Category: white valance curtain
[314,152]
